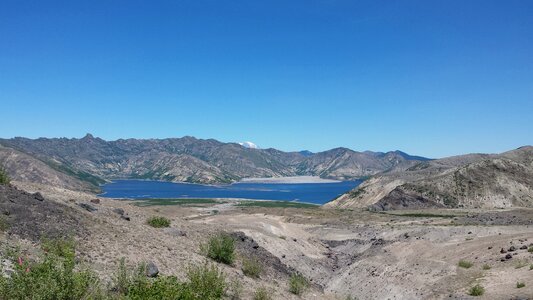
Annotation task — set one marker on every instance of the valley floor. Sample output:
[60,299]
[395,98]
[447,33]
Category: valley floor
[356,253]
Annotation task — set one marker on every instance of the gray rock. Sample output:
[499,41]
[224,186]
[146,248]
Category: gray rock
[512,248]
[38,196]
[95,201]
[508,256]
[88,207]
[119,211]
[151,270]
[123,217]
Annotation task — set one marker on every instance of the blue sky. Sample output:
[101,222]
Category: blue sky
[433,78]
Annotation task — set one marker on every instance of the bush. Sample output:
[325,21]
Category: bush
[4,178]
[465,264]
[530,249]
[158,222]
[520,285]
[206,282]
[251,267]
[486,267]
[52,277]
[476,290]
[297,284]
[221,248]
[261,294]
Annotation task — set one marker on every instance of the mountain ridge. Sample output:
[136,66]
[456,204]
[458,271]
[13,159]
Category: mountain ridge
[471,180]
[189,159]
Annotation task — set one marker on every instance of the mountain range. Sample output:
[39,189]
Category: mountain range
[90,161]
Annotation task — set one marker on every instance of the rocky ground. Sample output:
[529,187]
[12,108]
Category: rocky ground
[368,255]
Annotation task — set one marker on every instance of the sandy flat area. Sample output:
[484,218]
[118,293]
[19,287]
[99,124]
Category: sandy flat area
[289,180]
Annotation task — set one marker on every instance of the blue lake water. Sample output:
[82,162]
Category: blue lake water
[317,193]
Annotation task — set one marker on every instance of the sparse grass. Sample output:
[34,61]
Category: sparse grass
[486,267]
[423,215]
[221,248]
[158,222]
[261,294]
[251,267]
[520,285]
[4,226]
[531,267]
[297,284]
[520,263]
[465,264]
[174,201]
[476,290]
[530,249]
[272,204]
[282,237]
[235,290]
[4,178]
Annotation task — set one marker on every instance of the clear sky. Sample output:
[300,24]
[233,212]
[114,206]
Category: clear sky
[432,78]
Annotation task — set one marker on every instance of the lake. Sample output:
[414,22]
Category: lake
[317,193]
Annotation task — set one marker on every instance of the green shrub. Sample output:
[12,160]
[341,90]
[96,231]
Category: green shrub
[476,290]
[206,282]
[465,264]
[158,222]
[221,248]
[3,224]
[251,267]
[520,285]
[486,267]
[4,178]
[531,266]
[297,284]
[52,277]
[530,249]
[261,294]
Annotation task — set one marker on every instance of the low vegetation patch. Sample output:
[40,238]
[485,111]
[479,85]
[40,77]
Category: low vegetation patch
[465,264]
[158,222]
[175,201]
[261,294]
[251,267]
[423,215]
[4,226]
[486,267]
[4,178]
[476,290]
[53,276]
[221,248]
[530,249]
[520,263]
[273,204]
[520,285]
[297,284]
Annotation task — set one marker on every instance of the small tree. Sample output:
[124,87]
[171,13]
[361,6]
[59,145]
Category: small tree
[4,178]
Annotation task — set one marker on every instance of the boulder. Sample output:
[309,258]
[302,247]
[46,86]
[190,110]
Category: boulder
[95,201]
[38,196]
[119,211]
[87,207]
[151,270]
